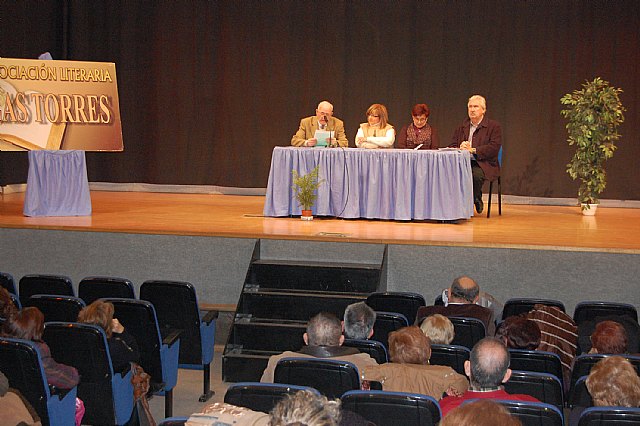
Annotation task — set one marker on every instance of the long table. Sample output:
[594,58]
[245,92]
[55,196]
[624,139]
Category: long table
[397,184]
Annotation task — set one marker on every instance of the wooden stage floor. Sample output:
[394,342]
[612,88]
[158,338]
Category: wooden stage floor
[237,216]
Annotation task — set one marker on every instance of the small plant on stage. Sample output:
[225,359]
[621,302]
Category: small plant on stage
[594,114]
[305,187]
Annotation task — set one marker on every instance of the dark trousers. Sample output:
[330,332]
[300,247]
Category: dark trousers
[478,180]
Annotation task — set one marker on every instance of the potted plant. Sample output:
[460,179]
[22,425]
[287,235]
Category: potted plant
[304,188]
[594,114]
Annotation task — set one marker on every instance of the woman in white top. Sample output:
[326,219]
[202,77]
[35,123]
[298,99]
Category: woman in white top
[376,132]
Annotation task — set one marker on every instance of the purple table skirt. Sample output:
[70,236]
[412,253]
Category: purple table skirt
[394,184]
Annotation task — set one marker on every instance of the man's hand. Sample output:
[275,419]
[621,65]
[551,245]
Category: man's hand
[116,327]
[466,145]
[311,142]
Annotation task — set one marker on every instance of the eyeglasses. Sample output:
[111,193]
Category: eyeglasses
[373,115]
[419,119]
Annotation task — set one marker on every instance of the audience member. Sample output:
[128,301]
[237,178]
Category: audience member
[7,308]
[586,329]
[484,412]
[609,337]
[519,333]
[376,132]
[358,321]
[439,329]
[28,324]
[613,381]
[558,335]
[482,137]
[323,120]
[487,369]
[463,295]
[409,369]
[323,339]
[14,408]
[419,134]
[123,347]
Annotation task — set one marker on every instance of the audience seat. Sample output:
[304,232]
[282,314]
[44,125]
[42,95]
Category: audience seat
[386,322]
[374,348]
[174,421]
[7,281]
[404,303]
[610,416]
[44,284]
[582,365]
[260,396]
[330,377]
[91,289]
[56,308]
[469,331]
[536,361]
[534,413]
[452,355]
[545,387]
[579,396]
[589,310]
[521,305]
[392,408]
[499,180]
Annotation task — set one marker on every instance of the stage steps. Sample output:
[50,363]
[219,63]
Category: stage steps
[278,298]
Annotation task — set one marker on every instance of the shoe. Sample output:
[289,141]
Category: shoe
[479,205]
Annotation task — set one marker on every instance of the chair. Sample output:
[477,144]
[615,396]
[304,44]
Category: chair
[545,387]
[107,396]
[94,288]
[534,413]
[392,408]
[579,396]
[158,357]
[386,322]
[173,421]
[469,331]
[536,361]
[608,416]
[44,284]
[20,361]
[177,308]
[260,396]
[57,308]
[330,377]
[499,189]
[404,303]
[7,281]
[589,310]
[374,348]
[452,355]
[582,365]
[517,306]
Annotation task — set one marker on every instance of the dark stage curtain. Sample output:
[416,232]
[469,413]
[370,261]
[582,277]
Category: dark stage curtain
[208,88]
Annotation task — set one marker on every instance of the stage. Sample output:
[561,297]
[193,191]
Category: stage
[531,250]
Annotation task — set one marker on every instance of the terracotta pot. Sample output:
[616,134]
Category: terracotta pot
[588,209]
[307,215]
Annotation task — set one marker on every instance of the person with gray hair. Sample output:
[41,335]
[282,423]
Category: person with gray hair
[323,339]
[358,321]
[482,137]
[487,368]
[305,408]
[323,121]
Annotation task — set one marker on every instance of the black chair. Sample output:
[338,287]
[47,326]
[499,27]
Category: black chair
[404,303]
[499,180]
[452,355]
[582,365]
[589,310]
[173,421]
[386,322]
[7,281]
[107,396]
[260,396]
[56,308]
[158,356]
[610,416]
[20,361]
[469,331]
[536,361]
[177,308]
[545,387]
[330,377]
[579,396]
[374,348]
[44,284]
[517,306]
[393,408]
[534,413]
[94,288]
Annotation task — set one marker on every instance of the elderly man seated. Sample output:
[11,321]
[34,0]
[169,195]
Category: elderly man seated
[358,321]
[323,339]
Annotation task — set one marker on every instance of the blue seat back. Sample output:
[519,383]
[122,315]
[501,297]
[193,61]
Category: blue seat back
[260,396]
[521,305]
[392,408]
[579,395]
[582,365]
[607,416]
[536,361]
[44,284]
[404,303]
[590,309]
[375,349]
[545,387]
[469,331]
[386,322]
[55,307]
[330,377]
[534,413]
[452,355]
[94,288]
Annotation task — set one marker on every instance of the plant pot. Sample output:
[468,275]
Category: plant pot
[588,209]
[307,215]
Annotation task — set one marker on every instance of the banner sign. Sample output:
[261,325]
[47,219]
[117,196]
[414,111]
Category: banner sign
[55,105]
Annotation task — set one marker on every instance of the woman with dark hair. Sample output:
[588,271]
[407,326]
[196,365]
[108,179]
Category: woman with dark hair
[519,333]
[609,337]
[123,347]
[376,132]
[419,134]
[28,324]
[409,369]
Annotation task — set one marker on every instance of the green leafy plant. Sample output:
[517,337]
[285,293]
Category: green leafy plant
[305,187]
[594,114]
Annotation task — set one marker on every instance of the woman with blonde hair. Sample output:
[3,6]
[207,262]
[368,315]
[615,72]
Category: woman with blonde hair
[376,132]
[439,329]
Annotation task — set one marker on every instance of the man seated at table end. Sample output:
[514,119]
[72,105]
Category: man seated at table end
[323,120]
